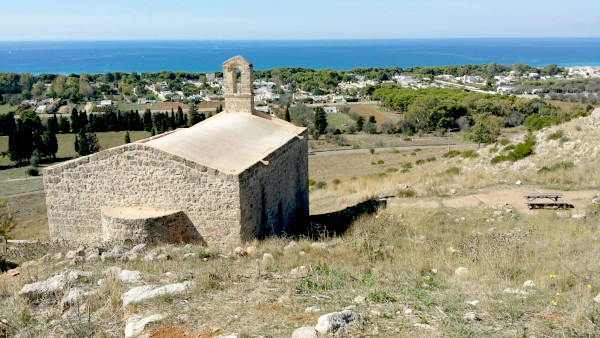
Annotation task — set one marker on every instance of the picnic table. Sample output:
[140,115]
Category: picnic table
[546,200]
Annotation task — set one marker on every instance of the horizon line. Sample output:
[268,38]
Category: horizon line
[302,39]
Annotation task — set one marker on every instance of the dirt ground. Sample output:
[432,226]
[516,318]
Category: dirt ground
[497,196]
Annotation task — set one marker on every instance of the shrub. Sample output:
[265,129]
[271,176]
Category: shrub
[499,158]
[523,150]
[419,162]
[392,170]
[452,153]
[33,171]
[556,135]
[7,223]
[469,154]
[311,182]
[504,141]
[372,151]
[336,181]
[494,149]
[381,297]
[452,171]
[407,139]
[431,159]
[556,166]
[320,185]
[380,162]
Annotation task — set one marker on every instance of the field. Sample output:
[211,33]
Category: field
[338,121]
[450,251]
[568,106]
[7,108]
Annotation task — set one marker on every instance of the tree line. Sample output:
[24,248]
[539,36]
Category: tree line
[29,135]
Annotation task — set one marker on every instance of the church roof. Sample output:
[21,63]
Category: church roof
[228,142]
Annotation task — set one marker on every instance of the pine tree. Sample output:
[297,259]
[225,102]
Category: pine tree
[65,126]
[195,117]
[287,114]
[50,144]
[127,139]
[360,123]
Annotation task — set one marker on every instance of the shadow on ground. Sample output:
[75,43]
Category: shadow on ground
[44,161]
[338,222]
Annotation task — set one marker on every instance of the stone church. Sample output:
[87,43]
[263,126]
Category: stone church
[238,175]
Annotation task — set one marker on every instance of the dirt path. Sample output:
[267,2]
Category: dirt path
[497,196]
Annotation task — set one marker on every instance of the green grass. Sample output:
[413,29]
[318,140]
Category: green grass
[133,106]
[66,148]
[338,120]
[7,108]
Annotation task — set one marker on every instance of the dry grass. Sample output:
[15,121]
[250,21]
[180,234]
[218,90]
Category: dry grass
[401,260]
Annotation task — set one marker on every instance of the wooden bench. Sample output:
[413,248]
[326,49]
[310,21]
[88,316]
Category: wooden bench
[538,201]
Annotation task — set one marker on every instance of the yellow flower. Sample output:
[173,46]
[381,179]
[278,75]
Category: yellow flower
[552,276]
[558,293]
[554,303]
[589,286]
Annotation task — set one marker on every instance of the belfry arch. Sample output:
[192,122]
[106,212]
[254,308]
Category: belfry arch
[238,99]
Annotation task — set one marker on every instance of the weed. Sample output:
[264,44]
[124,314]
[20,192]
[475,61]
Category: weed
[381,297]
[556,166]
[336,181]
[556,135]
[419,162]
[453,171]
[451,154]
[469,154]
[311,182]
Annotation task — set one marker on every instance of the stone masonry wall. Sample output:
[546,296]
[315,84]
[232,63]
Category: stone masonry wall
[264,187]
[137,174]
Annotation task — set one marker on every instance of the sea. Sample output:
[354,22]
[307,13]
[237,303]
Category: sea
[65,57]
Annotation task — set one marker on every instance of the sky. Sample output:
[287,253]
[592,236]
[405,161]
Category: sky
[41,20]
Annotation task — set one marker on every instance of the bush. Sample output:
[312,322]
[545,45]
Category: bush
[419,162]
[380,162]
[392,170]
[452,153]
[7,223]
[556,166]
[556,135]
[33,171]
[372,151]
[430,159]
[311,182]
[452,171]
[499,158]
[504,141]
[336,181]
[469,154]
[522,150]
[320,185]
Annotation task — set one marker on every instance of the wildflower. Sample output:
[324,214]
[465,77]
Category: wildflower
[554,303]
[589,286]
[552,276]
[558,293]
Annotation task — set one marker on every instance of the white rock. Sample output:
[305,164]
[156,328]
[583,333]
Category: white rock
[472,302]
[529,284]
[163,257]
[312,309]
[360,299]
[57,256]
[578,216]
[77,252]
[268,259]
[597,298]
[461,271]
[190,255]
[290,246]
[335,321]
[129,276]
[73,297]
[304,332]
[150,256]
[135,328]
[375,313]
[470,316]
[139,248]
[93,257]
[229,335]
[515,292]
[142,293]
[434,271]
[452,250]
[77,275]
[46,288]
[518,183]
[112,272]
[423,326]
[239,252]
[408,311]
[302,253]
[299,272]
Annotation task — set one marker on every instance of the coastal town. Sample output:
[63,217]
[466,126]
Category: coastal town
[99,93]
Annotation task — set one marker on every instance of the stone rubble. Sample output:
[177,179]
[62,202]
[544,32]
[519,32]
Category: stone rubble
[136,326]
[142,293]
[46,288]
[337,321]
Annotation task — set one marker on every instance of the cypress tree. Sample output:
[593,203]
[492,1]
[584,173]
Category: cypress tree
[127,139]
[50,144]
[320,120]
[147,120]
[65,126]
[75,120]
[53,125]
[86,142]
[287,114]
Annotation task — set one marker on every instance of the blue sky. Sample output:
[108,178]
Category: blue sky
[307,19]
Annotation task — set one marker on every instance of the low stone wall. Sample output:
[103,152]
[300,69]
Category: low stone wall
[143,224]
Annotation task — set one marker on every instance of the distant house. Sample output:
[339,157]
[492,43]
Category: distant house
[210,77]
[338,99]
[106,103]
[40,109]
[330,110]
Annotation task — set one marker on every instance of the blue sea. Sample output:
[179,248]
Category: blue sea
[66,57]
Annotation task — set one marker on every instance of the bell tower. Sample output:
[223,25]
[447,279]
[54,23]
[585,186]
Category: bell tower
[239,98]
